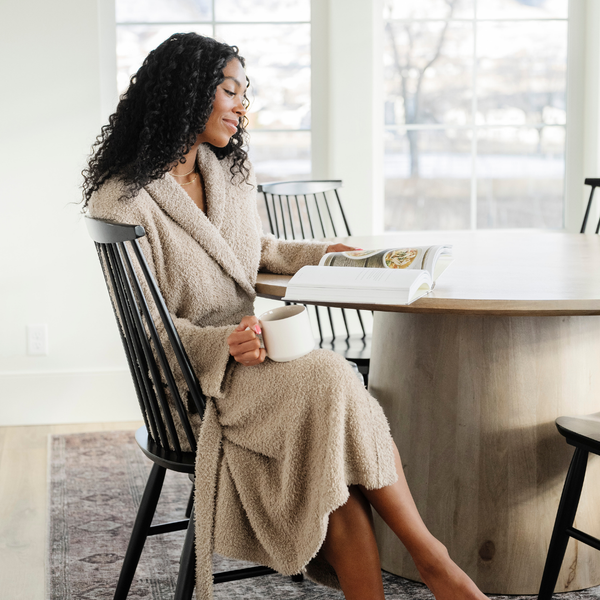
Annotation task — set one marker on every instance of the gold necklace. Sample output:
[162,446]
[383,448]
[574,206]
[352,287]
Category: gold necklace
[185,174]
[188,182]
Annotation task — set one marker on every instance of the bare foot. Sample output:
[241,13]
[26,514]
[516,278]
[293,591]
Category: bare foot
[445,579]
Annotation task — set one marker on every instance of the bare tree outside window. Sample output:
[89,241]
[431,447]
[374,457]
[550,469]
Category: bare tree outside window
[410,68]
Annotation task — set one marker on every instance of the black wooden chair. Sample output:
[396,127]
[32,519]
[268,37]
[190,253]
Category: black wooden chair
[150,370]
[594,183]
[583,433]
[313,209]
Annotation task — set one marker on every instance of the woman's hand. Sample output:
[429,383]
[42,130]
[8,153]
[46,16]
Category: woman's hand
[244,344]
[341,248]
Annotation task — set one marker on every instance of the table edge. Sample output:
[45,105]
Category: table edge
[457,306]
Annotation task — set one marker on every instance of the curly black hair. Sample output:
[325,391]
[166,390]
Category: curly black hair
[159,117]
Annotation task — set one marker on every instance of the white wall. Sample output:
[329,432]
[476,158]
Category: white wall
[51,109]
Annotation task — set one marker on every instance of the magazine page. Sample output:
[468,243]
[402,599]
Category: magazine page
[436,260]
[415,257]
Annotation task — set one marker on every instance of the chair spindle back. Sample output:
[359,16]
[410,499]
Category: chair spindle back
[307,210]
[139,309]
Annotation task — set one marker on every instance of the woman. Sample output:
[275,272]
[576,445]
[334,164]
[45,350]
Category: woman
[293,455]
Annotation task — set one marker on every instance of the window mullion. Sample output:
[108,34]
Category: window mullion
[473,211]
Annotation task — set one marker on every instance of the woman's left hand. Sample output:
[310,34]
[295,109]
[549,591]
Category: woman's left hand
[341,248]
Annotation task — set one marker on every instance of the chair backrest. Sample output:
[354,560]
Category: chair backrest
[305,209]
[139,309]
[594,183]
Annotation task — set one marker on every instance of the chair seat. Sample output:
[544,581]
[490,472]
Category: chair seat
[584,430]
[182,462]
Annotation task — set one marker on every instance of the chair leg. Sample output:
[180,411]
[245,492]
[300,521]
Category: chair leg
[565,516]
[190,504]
[143,521]
[186,579]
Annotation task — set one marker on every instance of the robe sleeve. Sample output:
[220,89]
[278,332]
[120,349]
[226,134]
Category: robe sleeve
[288,256]
[208,352]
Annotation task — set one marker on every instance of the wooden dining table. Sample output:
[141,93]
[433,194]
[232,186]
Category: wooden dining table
[471,378]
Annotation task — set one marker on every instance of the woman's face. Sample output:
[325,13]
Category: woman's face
[228,107]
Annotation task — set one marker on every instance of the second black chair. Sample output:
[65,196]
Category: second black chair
[313,209]
[583,433]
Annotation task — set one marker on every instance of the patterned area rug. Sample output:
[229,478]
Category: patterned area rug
[96,483]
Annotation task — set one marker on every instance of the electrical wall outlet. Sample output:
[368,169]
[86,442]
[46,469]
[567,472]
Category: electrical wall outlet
[37,339]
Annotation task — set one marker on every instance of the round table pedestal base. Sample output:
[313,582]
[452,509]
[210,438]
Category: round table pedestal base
[471,403]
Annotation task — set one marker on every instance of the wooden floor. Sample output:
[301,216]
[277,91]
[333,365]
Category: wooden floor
[23,505]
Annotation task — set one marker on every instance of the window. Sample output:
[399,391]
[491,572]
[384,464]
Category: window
[475,113]
[274,38]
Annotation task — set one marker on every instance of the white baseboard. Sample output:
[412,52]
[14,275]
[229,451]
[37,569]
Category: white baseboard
[67,397]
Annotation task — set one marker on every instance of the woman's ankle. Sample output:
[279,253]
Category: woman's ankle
[431,557]
[444,578]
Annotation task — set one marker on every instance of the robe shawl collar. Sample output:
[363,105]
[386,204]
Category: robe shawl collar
[173,200]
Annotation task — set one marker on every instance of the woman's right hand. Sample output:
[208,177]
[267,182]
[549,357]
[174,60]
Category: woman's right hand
[244,345]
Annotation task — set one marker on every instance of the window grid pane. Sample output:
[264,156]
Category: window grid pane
[134,43]
[159,11]
[279,91]
[520,173]
[427,179]
[265,10]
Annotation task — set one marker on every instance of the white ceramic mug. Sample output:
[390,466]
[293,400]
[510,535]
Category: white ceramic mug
[286,332]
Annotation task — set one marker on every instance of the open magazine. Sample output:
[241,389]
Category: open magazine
[389,276]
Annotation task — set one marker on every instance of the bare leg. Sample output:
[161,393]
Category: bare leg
[350,548]
[397,508]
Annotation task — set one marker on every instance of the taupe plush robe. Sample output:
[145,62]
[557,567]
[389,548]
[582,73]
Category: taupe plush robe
[280,442]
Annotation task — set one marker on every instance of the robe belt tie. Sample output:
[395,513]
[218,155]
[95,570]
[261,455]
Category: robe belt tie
[208,458]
